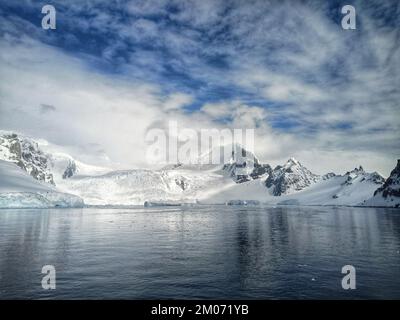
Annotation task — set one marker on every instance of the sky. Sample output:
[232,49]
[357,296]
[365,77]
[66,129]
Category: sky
[113,69]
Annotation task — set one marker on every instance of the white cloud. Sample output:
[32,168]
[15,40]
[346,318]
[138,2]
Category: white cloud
[177,101]
[339,88]
[217,110]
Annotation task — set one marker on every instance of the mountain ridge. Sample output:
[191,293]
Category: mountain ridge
[242,177]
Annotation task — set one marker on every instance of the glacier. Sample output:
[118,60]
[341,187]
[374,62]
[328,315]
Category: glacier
[18,189]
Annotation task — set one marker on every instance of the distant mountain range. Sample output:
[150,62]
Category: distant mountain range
[33,177]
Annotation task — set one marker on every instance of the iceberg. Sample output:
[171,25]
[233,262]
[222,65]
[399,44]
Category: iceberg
[243,203]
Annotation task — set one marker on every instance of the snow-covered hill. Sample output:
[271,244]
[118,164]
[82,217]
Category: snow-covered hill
[18,189]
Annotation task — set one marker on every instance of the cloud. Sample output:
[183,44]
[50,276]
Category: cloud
[45,108]
[287,69]
[177,101]
[217,110]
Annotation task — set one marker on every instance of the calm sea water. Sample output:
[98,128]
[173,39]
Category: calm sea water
[200,252]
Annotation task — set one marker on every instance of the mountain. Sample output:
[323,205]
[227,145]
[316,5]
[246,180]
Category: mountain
[32,177]
[233,161]
[239,178]
[374,177]
[25,153]
[18,189]
[350,189]
[244,166]
[41,160]
[388,195]
[290,177]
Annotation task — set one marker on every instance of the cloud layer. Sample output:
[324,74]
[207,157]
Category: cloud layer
[112,69]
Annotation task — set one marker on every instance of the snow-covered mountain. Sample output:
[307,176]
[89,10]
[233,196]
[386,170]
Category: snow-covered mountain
[18,189]
[241,177]
[349,189]
[25,153]
[234,161]
[41,160]
[388,195]
[244,166]
[32,170]
[290,177]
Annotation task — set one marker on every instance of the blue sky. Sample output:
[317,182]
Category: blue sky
[287,68]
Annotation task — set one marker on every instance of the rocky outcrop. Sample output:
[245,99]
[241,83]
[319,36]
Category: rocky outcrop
[244,166]
[26,154]
[391,187]
[292,176]
[70,170]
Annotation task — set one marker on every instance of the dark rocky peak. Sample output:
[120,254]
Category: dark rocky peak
[328,176]
[391,187]
[26,154]
[292,176]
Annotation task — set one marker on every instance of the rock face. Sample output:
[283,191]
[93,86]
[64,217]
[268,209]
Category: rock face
[391,187]
[70,170]
[26,154]
[374,177]
[239,174]
[182,182]
[328,176]
[388,194]
[290,177]
[261,170]
[244,166]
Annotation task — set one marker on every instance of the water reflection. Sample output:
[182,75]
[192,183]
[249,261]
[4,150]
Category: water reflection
[200,252]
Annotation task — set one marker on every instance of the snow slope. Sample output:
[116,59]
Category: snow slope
[20,190]
[63,167]
[134,187]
